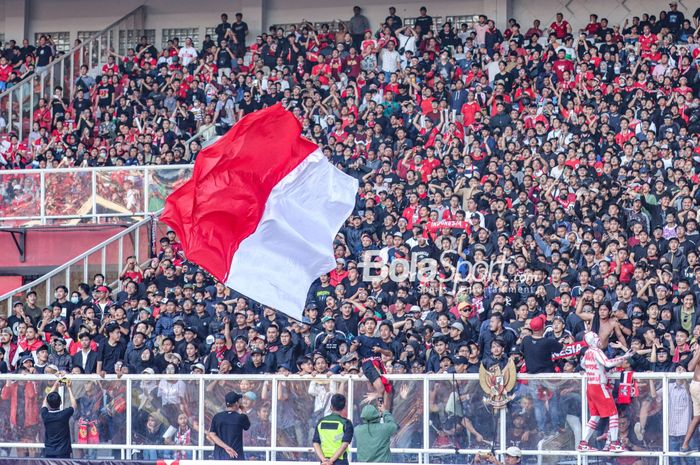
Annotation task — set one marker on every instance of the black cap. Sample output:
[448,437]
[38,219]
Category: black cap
[232,397]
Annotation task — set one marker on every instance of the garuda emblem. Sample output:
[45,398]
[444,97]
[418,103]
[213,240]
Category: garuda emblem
[497,384]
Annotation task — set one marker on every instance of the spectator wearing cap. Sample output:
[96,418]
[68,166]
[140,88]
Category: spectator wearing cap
[41,359]
[226,431]
[256,363]
[538,350]
[347,320]
[101,301]
[558,329]
[456,338]
[166,318]
[110,351]
[328,342]
[220,351]
[59,357]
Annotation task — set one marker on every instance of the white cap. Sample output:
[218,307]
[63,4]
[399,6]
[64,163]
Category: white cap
[514,451]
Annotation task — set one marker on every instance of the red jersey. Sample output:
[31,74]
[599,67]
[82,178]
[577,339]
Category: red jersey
[560,29]
[645,41]
[560,66]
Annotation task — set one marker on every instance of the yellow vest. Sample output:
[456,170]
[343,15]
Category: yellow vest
[330,432]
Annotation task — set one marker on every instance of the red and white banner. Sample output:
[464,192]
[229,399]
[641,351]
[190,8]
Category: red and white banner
[446,224]
[262,209]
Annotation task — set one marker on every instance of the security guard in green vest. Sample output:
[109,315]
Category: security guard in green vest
[333,434]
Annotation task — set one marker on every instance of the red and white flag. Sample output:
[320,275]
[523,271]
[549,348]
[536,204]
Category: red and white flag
[262,209]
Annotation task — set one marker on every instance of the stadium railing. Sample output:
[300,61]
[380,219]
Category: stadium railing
[78,195]
[107,258]
[285,409]
[18,103]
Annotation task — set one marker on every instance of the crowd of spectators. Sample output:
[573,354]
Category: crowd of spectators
[550,175]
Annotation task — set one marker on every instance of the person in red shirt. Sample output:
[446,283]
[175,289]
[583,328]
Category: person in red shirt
[647,39]
[352,64]
[322,70]
[429,164]
[625,133]
[336,64]
[622,266]
[560,28]
[132,270]
[5,70]
[339,273]
[593,26]
[469,109]
[561,64]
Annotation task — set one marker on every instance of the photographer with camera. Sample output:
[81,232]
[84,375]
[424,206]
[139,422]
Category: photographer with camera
[57,441]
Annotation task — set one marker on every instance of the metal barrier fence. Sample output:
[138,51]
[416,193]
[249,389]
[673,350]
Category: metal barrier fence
[18,103]
[107,258]
[544,419]
[78,195]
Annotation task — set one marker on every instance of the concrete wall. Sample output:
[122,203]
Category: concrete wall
[577,11]
[285,11]
[23,18]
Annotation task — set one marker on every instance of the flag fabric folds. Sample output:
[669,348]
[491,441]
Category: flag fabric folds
[262,209]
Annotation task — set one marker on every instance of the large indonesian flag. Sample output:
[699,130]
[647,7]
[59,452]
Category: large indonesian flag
[262,209]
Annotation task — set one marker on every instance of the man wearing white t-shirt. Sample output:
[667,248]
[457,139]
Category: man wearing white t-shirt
[188,54]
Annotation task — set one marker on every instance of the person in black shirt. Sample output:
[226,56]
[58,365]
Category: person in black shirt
[240,31]
[227,428]
[44,53]
[538,350]
[247,105]
[111,350]
[57,442]
[424,21]
[222,28]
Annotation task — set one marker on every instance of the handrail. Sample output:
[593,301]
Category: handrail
[61,269]
[202,130]
[420,387]
[75,49]
[62,71]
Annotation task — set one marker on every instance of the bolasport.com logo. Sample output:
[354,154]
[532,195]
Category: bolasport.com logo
[426,270]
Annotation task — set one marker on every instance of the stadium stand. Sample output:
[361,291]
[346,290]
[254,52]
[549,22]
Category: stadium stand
[550,173]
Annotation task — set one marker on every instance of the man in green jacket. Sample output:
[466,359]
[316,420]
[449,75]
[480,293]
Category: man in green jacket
[374,436]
